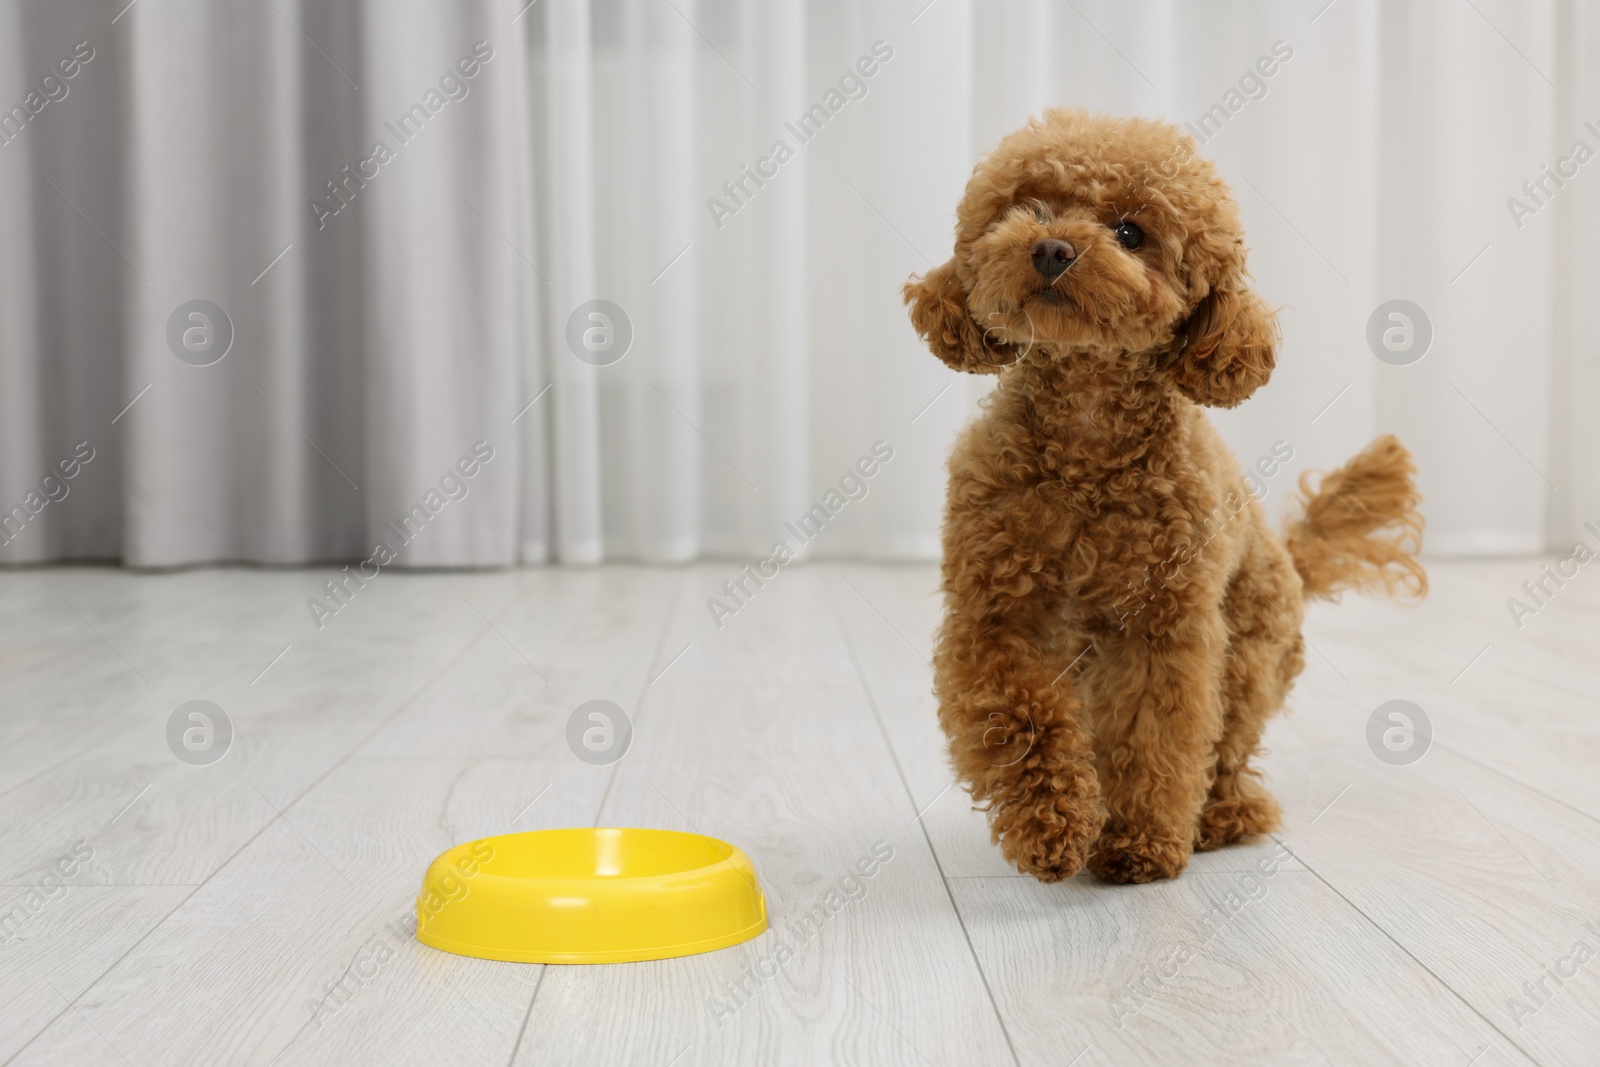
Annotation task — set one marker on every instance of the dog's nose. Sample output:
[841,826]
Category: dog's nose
[1051,258]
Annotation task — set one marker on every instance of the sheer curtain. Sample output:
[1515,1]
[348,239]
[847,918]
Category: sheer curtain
[1375,163]
[361,325]
[649,255]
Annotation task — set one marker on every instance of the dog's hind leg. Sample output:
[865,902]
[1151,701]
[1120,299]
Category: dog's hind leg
[1015,725]
[1265,653]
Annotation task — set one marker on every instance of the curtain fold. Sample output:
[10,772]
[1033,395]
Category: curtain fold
[283,283]
[635,265]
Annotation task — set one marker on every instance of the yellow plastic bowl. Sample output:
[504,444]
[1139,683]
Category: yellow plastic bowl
[589,896]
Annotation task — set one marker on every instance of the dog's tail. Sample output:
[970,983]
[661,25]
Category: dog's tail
[1361,528]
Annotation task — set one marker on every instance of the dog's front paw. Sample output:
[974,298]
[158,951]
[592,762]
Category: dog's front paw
[1122,855]
[1048,836]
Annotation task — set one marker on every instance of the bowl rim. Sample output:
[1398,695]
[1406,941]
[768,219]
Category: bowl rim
[735,858]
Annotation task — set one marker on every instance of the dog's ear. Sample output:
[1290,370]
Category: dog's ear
[1226,349]
[939,313]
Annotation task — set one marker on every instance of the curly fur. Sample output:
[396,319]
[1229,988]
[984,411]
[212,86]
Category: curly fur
[1120,622]
[1340,542]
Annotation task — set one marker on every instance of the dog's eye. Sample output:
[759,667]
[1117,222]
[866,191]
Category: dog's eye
[1129,235]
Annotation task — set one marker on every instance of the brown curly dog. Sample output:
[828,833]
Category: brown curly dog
[1120,621]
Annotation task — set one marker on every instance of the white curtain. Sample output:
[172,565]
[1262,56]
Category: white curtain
[374,341]
[749,182]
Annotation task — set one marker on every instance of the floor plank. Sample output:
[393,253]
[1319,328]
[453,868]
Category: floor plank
[762,735]
[1482,881]
[235,913]
[1179,972]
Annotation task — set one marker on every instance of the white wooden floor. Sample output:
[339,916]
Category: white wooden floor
[1446,912]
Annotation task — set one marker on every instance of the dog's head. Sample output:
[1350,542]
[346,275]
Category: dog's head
[1087,238]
